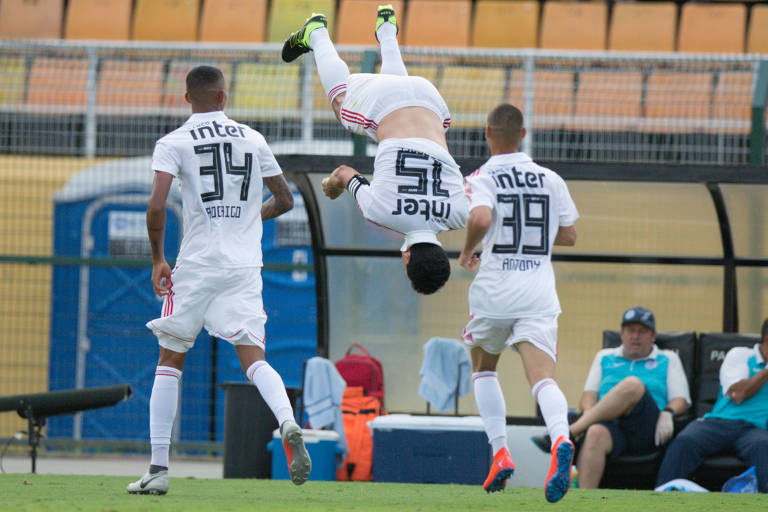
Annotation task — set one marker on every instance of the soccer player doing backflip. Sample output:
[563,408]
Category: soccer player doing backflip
[519,210]
[417,187]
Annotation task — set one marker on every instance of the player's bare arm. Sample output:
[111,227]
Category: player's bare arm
[335,184]
[161,271]
[477,226]
[566,235]
[281,200]
[745,388]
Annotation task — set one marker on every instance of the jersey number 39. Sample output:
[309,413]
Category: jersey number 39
[519,211]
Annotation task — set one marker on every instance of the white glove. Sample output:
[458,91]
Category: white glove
[665,427]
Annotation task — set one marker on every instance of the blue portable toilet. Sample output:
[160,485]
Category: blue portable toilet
[98,336]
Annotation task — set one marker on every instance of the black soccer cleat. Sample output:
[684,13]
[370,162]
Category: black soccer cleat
[298,42]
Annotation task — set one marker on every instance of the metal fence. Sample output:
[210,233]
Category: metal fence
[78,121]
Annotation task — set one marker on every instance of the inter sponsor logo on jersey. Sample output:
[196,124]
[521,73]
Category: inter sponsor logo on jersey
[427,208]
[517,179]
[216,130]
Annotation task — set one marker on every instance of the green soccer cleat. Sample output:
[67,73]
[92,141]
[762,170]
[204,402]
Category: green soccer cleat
[386,14]
[298,42]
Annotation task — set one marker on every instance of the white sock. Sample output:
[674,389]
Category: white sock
[554,408]
[163,403]
[272,389]
[391,60]
[493,410]
[332,70]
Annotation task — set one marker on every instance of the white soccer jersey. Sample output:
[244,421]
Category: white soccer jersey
[417,190]
[529,204]
[220,165]
[371,97]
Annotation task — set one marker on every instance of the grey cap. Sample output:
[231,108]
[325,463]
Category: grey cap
[639,315]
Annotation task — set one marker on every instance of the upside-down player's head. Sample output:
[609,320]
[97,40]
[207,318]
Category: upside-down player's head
[427,267]
[206,89]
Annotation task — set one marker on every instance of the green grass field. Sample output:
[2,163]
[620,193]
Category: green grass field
[57,493]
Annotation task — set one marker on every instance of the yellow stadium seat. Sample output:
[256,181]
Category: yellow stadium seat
[357,20]
[98,19]
[678,102]
[643,26]
[234,21]
[608,100]
[166,20]
[13,74]
[470,92]
[757,38]
[552,97]
[714,28]
[733,102]
[58,84]
[574,25]
[287,16]
[176,83]
[437,22]
[266,90]
[129,85]
[34,19]
[506,24]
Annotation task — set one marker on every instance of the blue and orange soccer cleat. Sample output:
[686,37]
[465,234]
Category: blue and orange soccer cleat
[559,477]
[501,469]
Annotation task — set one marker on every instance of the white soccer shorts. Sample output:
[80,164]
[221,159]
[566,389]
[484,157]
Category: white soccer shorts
[494,334]
[226,301]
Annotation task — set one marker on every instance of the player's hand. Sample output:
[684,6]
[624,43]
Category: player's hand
[161,278]
[469,261]
[331,188]
[665,427]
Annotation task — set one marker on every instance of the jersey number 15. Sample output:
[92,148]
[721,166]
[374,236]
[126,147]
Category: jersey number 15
[215,170]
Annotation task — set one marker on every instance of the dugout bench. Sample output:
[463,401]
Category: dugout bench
[701,356]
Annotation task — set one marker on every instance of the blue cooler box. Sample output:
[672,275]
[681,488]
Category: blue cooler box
[323,447]
[430,449]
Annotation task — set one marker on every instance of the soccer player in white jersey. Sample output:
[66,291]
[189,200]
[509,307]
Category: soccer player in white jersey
[216,283]
[417,187]
[519,210]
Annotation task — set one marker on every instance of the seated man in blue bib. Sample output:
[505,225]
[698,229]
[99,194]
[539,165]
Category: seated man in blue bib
[630,398]
[737,422]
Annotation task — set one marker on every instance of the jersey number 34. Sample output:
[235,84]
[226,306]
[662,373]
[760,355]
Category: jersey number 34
[215,170]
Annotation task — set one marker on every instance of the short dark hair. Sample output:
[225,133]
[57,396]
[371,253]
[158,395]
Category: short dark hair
[764,329]
[202,79]
[428,268]
[506,122]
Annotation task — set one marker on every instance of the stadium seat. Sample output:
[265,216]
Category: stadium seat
[356,21]
[176,85]
[34,19]
[98,19]
[574,25]
[437,23]
[505,24]
[678,102]
[757,37]
[234,21]
[266,91]
[715,28]
[733,102]
[58,84]
[130,86]
[470,92]
[286,16]
[643,26]
[552,97]
[169,20]
[13,74]
[608,100]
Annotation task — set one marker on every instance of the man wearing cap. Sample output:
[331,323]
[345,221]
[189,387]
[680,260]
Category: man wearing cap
[630,398]
[738,421]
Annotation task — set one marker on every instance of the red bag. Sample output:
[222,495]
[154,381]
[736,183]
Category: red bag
[362,370]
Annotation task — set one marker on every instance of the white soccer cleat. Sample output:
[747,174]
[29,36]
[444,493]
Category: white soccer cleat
[150,483]
[299,463]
